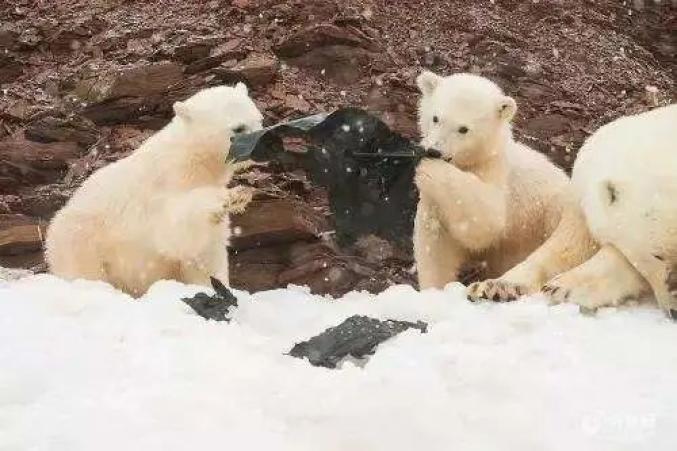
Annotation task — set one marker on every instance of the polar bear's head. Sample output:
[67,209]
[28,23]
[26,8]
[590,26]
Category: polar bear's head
[218,113]
[465,117]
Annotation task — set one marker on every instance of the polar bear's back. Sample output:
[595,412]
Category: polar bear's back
[626,179]
[645,142]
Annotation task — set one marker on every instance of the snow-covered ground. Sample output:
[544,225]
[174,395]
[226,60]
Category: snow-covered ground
[83,367]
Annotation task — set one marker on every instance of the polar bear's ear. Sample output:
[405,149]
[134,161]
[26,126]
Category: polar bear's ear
[507,108]
[427,82]
[181,110]
[242,88]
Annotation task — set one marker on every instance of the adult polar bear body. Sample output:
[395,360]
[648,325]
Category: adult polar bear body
[162,212]
[625,177]
[489,198]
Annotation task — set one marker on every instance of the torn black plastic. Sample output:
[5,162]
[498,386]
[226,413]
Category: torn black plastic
[367,169]
[357,337]
[215,307]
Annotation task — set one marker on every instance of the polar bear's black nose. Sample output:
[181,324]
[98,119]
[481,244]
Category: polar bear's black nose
[433,153]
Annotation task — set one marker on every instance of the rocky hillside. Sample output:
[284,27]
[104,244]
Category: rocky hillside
[84,82]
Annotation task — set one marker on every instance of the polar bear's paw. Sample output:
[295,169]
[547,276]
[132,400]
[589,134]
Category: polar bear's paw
[233,201]
[589,293]
[496,290]
[606,280]
[238,198]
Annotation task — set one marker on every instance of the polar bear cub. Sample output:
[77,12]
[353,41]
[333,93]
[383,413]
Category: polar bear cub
[162,212]
[488,198]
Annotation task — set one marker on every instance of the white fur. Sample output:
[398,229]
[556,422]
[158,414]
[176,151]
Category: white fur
[625,177]
[162,211]
[489,199]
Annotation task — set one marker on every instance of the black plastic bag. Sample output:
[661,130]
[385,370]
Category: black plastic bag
[367,169]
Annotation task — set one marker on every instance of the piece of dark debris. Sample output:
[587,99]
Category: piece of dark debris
[356,337]
[216,306]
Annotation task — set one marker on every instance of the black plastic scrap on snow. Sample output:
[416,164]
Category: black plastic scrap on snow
[214,307]
[357,336]
[367,169]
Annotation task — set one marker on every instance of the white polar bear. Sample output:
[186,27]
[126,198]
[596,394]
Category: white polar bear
[489,198]
[625,177]
[625,181]
[162,212]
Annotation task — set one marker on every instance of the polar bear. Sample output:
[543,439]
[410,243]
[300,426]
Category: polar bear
[625,183]
[488,198]
[161,212]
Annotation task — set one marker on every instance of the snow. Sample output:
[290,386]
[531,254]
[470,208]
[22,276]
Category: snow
[84,367]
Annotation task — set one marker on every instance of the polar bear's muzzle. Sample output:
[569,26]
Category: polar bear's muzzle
[432,153]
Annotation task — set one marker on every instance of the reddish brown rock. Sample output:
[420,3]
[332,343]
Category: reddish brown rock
[276,221]
[341,53]
[17,110]
[140,81]
[193,51]
[317,36]
[7,38]
[297,103]
[20,234]
[39,201]
[70,129]
[255,70]
[548,125]
[10,68]
[24,162]
[229,50]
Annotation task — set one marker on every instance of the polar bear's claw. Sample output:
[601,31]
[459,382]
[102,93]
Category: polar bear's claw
[555,293]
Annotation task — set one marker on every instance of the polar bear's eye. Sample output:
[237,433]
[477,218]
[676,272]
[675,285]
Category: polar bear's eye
[463,129]
[436,119]
[239,129]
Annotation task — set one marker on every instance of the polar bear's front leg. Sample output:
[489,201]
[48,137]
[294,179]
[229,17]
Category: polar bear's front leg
[607,279]
[472,211]
[188,224]
[660,275]
[438,257]
[568,246]
[213,263]
[234,201]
